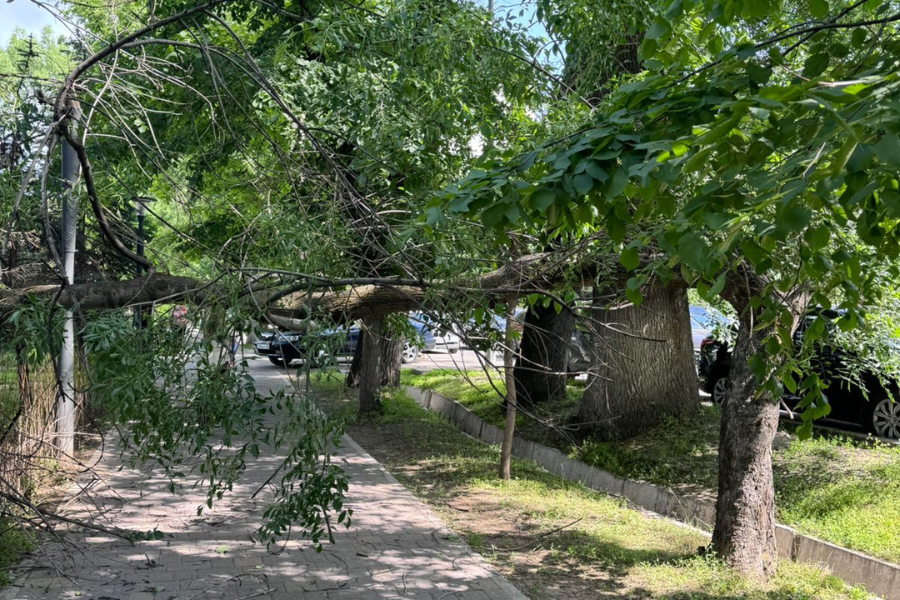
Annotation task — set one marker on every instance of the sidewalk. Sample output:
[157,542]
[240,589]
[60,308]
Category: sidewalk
[396,548]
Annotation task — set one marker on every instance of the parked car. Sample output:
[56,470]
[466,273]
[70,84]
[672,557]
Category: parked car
[284,347]
[444,339]
[579,358]
[704,323]
[875,411]
[489,334]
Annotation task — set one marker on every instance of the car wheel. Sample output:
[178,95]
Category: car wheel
[885,418]
[278,362]
[454,350]
[409,354]
[718,390]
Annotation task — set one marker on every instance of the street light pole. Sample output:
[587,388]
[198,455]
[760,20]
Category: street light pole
[139,247]
[65,425]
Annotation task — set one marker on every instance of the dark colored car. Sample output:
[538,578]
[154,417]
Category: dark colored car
[876,413]
[283,347]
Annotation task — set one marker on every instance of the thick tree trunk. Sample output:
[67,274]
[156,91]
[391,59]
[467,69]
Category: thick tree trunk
[541,370]
[643,366]
[744,533]
[390,349]
[370,367]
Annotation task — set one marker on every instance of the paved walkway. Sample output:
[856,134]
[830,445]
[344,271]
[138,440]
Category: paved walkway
[396,548]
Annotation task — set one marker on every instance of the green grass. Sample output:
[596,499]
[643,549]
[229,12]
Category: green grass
[545,529]
[473,389]
[831,487]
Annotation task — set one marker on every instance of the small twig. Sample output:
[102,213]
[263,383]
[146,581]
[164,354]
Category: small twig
[543,535]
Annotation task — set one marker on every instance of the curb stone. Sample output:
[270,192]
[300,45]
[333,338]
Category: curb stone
[877,576]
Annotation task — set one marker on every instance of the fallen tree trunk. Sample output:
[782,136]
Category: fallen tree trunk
[362,297]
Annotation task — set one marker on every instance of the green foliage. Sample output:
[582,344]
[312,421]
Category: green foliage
[776,155]
[180,401]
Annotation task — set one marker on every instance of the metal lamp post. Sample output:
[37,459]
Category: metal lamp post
[65,401]
[141,207]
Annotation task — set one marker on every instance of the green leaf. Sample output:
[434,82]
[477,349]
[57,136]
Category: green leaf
[583,183]
[493,216]
[594,169]
[858,37]
[433,215]
[718,286]
[888,150]
[794,218]
[634,296]
[630,259]
[816,64]
[543,198]
[616,228]
[693,251]
[817,237]
[818,8]
[617,184]
[658,29]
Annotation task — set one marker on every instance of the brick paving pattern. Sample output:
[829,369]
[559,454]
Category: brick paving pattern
[397,548]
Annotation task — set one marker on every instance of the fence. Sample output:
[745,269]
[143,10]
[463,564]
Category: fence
[27,419]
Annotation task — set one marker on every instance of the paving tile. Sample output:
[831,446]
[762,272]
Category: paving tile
[396,548]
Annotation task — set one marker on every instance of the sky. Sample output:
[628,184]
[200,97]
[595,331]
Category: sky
[23,14]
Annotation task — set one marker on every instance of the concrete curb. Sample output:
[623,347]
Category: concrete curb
[877,576]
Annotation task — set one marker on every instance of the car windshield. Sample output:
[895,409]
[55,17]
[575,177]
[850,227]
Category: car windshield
[706,318]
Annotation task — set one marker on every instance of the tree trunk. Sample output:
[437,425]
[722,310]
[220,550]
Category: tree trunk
[643,366]
[353,374]
[744,533]
[543,362]
[509,432]
[370,366]
[390,349]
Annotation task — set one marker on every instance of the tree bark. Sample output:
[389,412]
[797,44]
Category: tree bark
[744,533]
[390,350]
[509,431]
[643,366]
[370,367]
[543,360]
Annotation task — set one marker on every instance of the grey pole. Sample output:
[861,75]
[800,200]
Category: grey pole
[65,424]
[139,247]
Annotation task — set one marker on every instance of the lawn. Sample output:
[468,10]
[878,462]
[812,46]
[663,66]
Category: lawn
[553,538]
[832,487]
